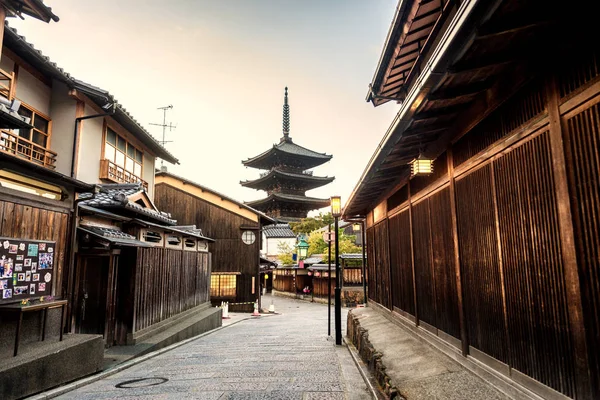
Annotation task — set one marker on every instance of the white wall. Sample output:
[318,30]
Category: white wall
[62,111]
[271,245]
[32,91]
[90,148]
[148,173]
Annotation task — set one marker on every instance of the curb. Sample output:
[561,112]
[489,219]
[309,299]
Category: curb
[365,375]
[121,367]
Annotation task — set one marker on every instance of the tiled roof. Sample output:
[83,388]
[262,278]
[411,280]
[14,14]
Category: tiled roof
[288,147]
[109,233]
[351,256]
[113,236]
[116,196]
[278,231]
[291,198]
[314,259]
[309,180]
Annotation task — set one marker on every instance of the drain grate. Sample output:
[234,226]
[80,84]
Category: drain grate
[142,382]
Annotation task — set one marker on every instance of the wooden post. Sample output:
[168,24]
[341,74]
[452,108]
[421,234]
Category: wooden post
[464,338]
[2,19]
[412,255]
[568,248]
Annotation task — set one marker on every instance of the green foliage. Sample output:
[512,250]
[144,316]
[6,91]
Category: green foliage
[345,243]
[309,224]
[286,252]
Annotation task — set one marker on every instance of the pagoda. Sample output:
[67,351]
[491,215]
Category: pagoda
[287,178]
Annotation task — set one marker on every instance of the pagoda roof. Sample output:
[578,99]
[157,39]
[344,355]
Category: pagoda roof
[313,202]
[310,181]
[287,149]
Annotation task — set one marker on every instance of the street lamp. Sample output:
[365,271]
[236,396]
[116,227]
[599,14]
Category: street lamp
[302,248]
[336,212]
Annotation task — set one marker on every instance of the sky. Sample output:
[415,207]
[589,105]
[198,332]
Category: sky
[223,65]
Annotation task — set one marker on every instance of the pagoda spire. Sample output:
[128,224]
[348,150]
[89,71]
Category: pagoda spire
[286,118]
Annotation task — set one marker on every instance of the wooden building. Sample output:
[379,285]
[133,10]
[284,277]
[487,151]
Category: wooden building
[135,267]
[236,228]
[287,178]
[496,252]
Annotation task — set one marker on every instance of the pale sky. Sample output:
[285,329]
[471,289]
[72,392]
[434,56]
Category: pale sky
[223,65]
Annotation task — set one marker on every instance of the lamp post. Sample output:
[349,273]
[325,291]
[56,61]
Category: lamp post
[356,227]
[336,212]
[302,248]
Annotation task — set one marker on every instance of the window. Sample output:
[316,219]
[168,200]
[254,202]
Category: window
[189,244]
[174,241]
[152,237]
[223,285]
[28,185]
[248,237]
[41,127]
[118,151]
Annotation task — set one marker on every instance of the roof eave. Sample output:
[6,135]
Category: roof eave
[388,47]
[418,91]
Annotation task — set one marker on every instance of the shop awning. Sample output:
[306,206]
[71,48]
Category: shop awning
[114,237]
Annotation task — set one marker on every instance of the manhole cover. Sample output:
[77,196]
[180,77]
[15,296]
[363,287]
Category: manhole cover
[143,382]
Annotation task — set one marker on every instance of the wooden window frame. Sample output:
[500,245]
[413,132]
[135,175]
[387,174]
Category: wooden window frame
[217,292]
[34,113]
[105,129]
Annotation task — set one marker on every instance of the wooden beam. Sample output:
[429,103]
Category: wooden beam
[438,112]
[464,338]
[460,91]
[568,246]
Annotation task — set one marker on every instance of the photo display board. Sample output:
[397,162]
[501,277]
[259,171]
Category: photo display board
[26,269]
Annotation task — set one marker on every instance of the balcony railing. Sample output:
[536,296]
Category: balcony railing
[6,84]
[112,172]
[12,143]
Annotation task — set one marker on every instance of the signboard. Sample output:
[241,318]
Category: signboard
[329,236]
[26,268]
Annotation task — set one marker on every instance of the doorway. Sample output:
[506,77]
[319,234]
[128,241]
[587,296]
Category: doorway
[93,289]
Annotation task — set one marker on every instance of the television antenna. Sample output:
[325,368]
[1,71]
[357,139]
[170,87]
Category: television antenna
[164,128]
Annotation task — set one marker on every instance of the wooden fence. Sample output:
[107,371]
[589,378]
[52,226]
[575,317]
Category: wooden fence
[168,282]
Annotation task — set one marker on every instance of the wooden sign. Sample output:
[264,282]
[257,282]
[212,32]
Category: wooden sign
[26,269]
[329,236]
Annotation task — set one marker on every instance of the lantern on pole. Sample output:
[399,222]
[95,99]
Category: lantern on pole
[302,247]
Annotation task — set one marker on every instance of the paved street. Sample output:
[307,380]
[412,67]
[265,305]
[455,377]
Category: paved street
[285,356]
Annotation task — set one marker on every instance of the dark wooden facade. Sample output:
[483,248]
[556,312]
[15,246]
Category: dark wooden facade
[496,252]
[229,252]
[493,226]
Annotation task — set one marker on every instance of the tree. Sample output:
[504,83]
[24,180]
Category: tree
[345,242]
[310,224]
[285,253]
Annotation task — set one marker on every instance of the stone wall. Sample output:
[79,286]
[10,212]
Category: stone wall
[359,337]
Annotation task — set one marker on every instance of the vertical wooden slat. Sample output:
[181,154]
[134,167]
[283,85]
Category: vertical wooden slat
[479,263]
[424,278]
[442,244]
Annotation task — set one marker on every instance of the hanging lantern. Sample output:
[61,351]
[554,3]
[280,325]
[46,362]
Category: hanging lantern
[356,227]
[421,166]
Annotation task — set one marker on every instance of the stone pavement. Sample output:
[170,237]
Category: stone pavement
[415,368]
[284,356]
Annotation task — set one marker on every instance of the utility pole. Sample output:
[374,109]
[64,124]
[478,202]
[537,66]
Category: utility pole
[164,128]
